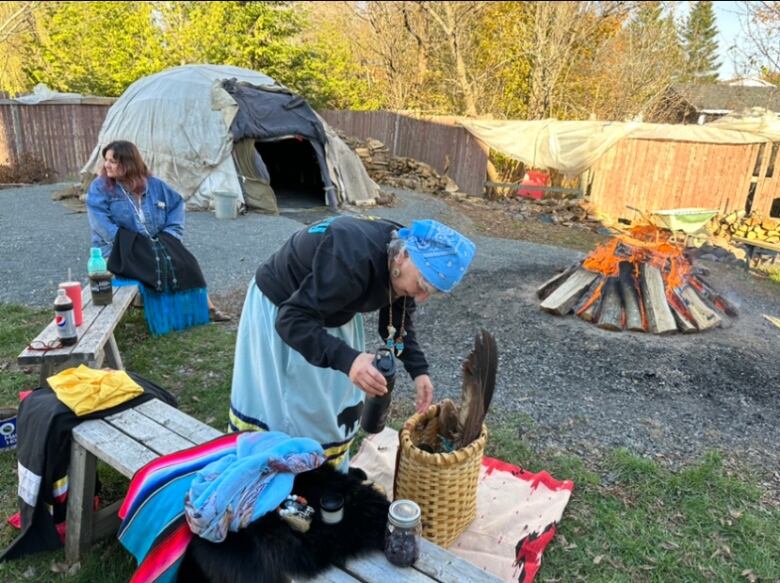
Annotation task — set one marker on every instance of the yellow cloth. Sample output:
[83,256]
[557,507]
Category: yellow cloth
[85,390]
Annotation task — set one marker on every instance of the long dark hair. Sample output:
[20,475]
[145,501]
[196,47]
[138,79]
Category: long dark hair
[132,163]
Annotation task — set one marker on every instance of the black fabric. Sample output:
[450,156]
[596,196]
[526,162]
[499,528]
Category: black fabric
[44,429]
[323,276]
[163,264]
[269,550]
[265,113]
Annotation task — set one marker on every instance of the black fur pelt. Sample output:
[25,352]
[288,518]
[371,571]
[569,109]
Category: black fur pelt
[269,549]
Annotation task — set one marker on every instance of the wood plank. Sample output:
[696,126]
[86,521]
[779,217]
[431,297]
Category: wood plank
[589,303]
[93,342]
[681,313]
[660,319]
[81,492]
[178,422]
[630,297]
[150,433]
[706,291]
[562,300]
[106,521]
[49,335]
[757,243]
[112,446]
[446,567]
[703,316]
[556,280]
[375,568]
[332,575]
[611,315]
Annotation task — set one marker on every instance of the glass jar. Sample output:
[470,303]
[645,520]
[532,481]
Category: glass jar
[402,537]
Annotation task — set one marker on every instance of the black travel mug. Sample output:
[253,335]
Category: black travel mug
[376,408]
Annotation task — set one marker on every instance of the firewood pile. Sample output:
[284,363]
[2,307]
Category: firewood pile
[737,224]
[397,171]
[640,281]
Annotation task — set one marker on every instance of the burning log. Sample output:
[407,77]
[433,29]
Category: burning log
[562,300]
[548,286]
[611,314]
[640,281]
[631,301]
[659,314]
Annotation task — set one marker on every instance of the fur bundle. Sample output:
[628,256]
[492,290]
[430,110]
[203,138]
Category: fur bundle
[270,551]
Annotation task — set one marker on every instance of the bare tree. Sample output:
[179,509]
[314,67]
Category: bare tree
[16,20]
[761,24]
[456,22]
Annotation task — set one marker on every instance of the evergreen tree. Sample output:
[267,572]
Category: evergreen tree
[700,45]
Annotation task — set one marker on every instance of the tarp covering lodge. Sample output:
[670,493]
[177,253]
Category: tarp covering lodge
[208,128]
[571,147]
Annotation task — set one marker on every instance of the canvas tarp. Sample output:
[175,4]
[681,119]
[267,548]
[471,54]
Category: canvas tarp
[571,147]
[180,119]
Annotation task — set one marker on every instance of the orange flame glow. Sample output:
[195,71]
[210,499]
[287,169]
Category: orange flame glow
[642,244]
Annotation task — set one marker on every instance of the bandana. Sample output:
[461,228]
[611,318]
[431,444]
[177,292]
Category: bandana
[441,254]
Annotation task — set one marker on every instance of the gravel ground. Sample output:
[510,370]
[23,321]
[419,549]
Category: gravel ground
[566,384]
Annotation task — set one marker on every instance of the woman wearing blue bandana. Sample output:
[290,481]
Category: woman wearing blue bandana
[300,364]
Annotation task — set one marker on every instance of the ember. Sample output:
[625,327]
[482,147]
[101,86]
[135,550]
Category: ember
[638,281]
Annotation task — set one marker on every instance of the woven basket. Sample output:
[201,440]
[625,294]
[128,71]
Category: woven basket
[444,485]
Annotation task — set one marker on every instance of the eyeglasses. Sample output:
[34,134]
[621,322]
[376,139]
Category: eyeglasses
[40,345]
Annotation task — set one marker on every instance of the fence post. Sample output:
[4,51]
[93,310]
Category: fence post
[17,123]
[395,133]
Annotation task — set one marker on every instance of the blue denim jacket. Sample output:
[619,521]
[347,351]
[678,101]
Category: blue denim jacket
[109,208]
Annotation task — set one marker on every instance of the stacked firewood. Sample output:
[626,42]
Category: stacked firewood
[397,171]
[737,224]
[629,285]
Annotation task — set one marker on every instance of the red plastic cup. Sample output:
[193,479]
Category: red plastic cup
[73,289]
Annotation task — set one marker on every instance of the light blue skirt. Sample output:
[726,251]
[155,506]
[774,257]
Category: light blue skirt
[276,389]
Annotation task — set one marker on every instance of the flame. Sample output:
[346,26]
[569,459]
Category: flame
[642,244]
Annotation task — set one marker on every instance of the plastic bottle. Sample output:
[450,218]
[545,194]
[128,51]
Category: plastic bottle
[64,319]
[99,278]
[96,263]
[376,408]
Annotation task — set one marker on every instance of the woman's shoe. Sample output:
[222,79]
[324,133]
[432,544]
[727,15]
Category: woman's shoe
[215,315]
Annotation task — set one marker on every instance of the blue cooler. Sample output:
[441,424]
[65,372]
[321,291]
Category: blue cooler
[7,428]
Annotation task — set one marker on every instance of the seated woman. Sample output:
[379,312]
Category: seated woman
[137,221]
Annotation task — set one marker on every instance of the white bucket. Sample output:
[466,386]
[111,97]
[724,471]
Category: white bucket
[226,205]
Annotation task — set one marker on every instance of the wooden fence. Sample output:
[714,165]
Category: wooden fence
[654,175]
[647,174]
[448,148]
[60,135]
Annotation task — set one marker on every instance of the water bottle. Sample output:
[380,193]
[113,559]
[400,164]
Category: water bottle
[376,408]
[64,320]
[99,278]
[96,263]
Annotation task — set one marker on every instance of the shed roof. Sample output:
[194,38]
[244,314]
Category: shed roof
[725,98]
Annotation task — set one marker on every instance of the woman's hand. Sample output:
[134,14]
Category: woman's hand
[424,388]
[366,377]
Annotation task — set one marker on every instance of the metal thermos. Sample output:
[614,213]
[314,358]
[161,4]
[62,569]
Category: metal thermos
[376,408]
[64,320]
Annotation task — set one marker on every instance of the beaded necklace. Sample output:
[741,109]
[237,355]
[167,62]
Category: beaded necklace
[395,342]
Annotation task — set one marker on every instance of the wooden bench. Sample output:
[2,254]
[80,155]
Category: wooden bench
[96,344]
[751,245]
[130,439]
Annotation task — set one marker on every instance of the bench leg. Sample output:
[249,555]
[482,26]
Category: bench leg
[81,493]
[113,359]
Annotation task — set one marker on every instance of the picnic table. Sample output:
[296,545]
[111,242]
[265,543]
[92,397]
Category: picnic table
[755,245]
[96,344]
[132,438]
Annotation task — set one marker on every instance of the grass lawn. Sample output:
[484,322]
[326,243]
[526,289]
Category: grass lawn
[628,520]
